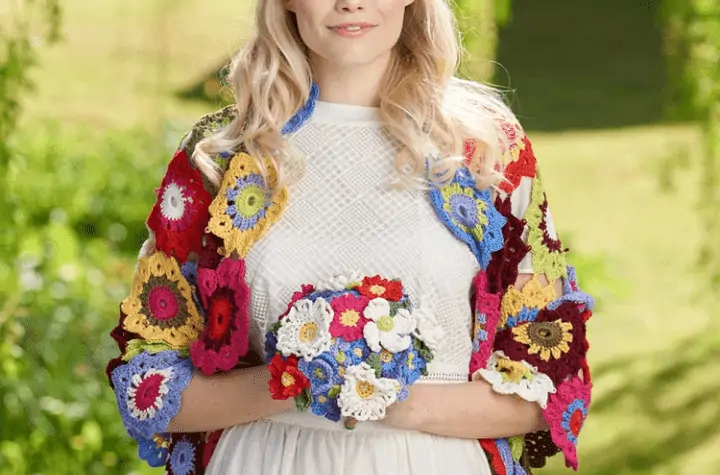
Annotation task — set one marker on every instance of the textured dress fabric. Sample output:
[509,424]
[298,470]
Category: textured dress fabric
[343,218]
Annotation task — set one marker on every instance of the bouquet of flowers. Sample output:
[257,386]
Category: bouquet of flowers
[350,347]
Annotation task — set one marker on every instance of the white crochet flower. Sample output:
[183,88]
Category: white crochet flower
[384,331]
[516,377]
[340,282]
[428,328]
[305,330]
[364,396]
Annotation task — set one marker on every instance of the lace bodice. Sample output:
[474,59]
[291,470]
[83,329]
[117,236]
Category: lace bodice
[342,217]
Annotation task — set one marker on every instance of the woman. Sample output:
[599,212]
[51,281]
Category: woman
[339,156]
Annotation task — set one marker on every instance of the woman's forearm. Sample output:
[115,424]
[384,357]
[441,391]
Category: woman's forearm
[225,400]
[473,411]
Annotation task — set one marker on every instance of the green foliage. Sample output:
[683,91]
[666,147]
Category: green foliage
[693,49]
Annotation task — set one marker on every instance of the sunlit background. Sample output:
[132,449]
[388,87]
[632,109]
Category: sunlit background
[620,97]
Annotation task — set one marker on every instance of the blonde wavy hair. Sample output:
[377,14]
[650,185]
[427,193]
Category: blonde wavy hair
[423,104]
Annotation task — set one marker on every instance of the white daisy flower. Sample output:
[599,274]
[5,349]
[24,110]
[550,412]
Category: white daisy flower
[384,331]
[305,330]
[340,282]
[364,396]
[428,328]
[516,377]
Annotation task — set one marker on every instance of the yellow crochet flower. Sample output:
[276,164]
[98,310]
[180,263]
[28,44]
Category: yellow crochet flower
[545,339]
[533,295]
[160,307]
[244,210]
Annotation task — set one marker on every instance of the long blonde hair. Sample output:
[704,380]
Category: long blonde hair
[422,104]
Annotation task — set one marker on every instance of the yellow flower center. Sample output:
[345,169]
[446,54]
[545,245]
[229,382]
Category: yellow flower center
[322,399]
[512,370]
[385,356]
[287,379]
[377,289]
[341,370]
[319,373]
[349,318]
[357,352]
[386,323]
[411,361]
[365,389]
[308,332]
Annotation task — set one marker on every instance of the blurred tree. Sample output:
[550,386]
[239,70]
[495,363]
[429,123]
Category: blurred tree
[693,48]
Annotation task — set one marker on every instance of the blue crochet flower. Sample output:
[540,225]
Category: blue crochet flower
[511,466]
[248,197]
[470,215]
[154,455]
[352,353]
[270,346]
[322,371]
[412,367]
[182,458]
[304,113]
[324,406]
[148,391]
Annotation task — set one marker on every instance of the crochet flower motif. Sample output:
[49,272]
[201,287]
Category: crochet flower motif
[573,293]
[364,396]
[225,296]
[525,165]
[427,328]
[516,377]
[286,380]
[180,215]
[305,331]
[342,282]
[148,391]
[566,414]
[155,450]
[349,319]
[504,264]
[386,331]
[351,353]
[532,296]
[185,457]
[160,306]
[554,342]
[243,211]
[377,287]
[548,256]
[469,215]
[322,372]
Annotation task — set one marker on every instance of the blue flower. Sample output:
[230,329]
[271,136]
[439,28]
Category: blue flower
[182,458]
[325,406]
[322,372]
[575,406]
[411,369]
[352,353]
[270,346]
[154,455]
[391,363]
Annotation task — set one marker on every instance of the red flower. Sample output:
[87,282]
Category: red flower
[286,380]
[180,214]
[525,165]
[210,256]
[225,296]
[377,287]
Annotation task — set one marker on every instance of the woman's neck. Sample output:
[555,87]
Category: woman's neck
[353,84]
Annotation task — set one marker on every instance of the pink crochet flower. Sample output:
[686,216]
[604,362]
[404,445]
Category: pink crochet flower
[225,296]
[565,414]
[349,320]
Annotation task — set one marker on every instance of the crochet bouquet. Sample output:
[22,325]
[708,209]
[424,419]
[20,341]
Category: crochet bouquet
[350,347]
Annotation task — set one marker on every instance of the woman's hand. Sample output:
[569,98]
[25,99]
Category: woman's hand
[408,414]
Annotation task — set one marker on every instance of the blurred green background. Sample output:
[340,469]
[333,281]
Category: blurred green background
[621,99]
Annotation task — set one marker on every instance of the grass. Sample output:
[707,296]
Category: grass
[590,73]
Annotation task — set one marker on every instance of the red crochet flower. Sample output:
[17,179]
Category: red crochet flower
[225,296]
[210,256]
[349,321]
[566,412]
[377,287]
[525,165]
[286,380]
[180,214]
[554,342]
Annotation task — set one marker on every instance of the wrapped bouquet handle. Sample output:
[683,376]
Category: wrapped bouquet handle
[349,348]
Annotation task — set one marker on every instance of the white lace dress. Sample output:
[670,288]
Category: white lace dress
[342,217]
